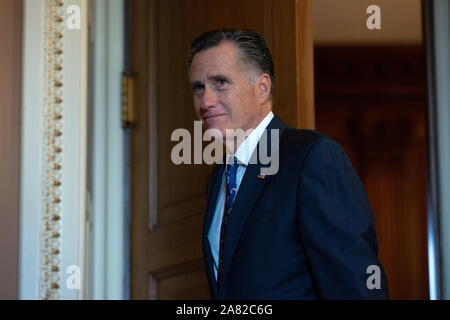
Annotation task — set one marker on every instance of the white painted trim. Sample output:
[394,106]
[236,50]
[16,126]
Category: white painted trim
[437,28]
[82,248]
[115,155]
[97,233]
[442,81]
[107,259]
[31,147]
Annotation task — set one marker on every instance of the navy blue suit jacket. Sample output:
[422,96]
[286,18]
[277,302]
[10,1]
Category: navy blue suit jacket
[306,232]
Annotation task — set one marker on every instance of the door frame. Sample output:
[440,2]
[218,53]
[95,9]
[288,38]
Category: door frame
[108,234]
[436,23]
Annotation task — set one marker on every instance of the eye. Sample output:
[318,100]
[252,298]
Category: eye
[222,82]
[198,88]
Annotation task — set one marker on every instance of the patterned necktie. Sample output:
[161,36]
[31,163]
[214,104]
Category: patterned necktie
[231,190]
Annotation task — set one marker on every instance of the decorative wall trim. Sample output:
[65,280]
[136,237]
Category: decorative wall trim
[53,152]
[52,145]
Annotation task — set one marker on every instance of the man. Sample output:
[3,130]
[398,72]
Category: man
[305,232]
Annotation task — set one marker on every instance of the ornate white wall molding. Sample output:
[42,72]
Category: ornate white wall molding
[52,147]
[53,164]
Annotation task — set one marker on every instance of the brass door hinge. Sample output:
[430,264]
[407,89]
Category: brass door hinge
[128,107]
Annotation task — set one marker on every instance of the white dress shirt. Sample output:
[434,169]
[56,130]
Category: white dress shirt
[243,154]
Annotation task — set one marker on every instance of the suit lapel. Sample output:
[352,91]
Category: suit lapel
[249,190]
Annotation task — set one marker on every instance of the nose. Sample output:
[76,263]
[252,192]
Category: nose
[209,99]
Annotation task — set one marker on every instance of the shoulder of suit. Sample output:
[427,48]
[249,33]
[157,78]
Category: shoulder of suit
[297,144]
[299,139]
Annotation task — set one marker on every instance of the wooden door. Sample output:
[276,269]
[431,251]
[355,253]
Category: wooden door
[168,201]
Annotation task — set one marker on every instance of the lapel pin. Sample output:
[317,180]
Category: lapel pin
[261,176]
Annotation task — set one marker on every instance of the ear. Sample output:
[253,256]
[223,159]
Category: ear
[263,86]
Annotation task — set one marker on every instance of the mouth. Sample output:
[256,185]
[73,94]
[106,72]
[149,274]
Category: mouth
[212,116]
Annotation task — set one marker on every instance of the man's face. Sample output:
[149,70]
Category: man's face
[223,97]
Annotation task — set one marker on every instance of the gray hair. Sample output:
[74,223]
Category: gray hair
[252,46]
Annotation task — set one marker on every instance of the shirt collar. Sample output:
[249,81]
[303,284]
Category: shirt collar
[245,150]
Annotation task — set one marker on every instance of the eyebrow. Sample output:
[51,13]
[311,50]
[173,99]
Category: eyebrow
[214,77]
[195,84]
[218,77]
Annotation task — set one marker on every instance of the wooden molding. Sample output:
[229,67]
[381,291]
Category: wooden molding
[288,30]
